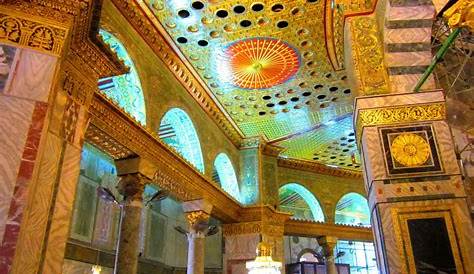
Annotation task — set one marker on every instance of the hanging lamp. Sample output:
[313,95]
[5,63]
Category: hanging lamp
[263,264]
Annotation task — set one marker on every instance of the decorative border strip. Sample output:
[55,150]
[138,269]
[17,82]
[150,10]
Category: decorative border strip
[318,168]
[399,115]
[16,30]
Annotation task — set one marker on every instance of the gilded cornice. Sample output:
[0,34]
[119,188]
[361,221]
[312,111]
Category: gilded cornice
[172,173]
[399,115]
[315,229]
[318,168]
[155,36]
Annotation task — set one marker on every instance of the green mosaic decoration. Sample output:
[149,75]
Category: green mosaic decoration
[125,89]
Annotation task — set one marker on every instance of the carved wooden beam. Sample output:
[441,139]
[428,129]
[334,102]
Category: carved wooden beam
[315,229]
[120,136]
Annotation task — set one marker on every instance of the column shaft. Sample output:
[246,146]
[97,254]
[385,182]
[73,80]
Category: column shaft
[196,244]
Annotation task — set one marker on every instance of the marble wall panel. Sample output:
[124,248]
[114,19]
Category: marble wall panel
[405,83]
[411,35]
[399,99]
[414,58]
[410,13]
[36,216]
[14,124]
[32,76]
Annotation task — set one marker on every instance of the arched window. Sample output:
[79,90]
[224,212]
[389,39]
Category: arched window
[296,199]
[126,89]
[177,130]
[352,209]
[224,174]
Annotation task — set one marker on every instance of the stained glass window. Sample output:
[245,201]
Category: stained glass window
[352,209]
[177,130]
[125,89]
[225,175]
[296,199]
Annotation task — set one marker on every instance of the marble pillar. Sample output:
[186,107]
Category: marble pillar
[197,214]
[328,243]
[134,173]
[131,186]
[414,184]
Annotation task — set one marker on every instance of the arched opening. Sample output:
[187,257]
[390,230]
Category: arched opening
[296,199]
[177,130]
[353,209]
[224,175]
[125,89]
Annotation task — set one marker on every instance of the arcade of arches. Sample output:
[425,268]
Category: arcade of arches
[174,136]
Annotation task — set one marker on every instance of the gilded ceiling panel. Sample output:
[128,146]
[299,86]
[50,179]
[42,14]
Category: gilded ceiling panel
[267,64]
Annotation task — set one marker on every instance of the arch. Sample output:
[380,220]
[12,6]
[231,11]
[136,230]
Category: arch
[178,131]
[352,209]
[295,196]
[308,255]
[225,175]
[125,89]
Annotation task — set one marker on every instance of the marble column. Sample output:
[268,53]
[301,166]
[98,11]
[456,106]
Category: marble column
[414,183]
[197,214]
[134,173]
[328,243]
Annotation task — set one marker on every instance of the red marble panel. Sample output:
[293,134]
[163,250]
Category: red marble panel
[18,201]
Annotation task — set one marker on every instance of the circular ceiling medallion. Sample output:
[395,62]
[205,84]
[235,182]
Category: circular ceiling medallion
[259,63]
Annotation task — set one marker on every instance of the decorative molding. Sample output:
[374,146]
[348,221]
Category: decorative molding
[154,35]
[398,115]
[87,51]
[106,143]
[316,229]
[33,33]
[318,168]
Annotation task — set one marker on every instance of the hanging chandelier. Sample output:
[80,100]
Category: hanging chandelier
[96,269]
[263,264]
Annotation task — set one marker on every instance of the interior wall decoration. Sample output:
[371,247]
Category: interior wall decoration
[410,150]
[124,89]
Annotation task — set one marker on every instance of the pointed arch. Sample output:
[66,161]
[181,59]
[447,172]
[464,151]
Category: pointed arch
[224,174]
[126,89]
[178,131]
[352,209]
[297,199]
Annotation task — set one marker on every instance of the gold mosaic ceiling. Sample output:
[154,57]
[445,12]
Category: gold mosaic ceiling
[268,64]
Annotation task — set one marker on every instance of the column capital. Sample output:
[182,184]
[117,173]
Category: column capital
[328,243]
[135,165]
[197,214]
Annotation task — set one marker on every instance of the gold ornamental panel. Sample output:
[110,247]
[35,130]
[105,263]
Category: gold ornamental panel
[37,34]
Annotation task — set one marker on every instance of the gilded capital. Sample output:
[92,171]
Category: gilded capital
[197,221]
[461,14]
[131,186]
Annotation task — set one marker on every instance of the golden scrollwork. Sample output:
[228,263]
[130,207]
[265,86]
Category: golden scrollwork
[20,31]
[410,149]
[196,218]
[398,115]
[461,14]
[371,75]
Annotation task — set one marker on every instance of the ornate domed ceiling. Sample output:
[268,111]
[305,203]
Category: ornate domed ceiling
[272,67]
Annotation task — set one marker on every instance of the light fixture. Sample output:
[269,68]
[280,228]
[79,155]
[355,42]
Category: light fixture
[263,264]
[96,269]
